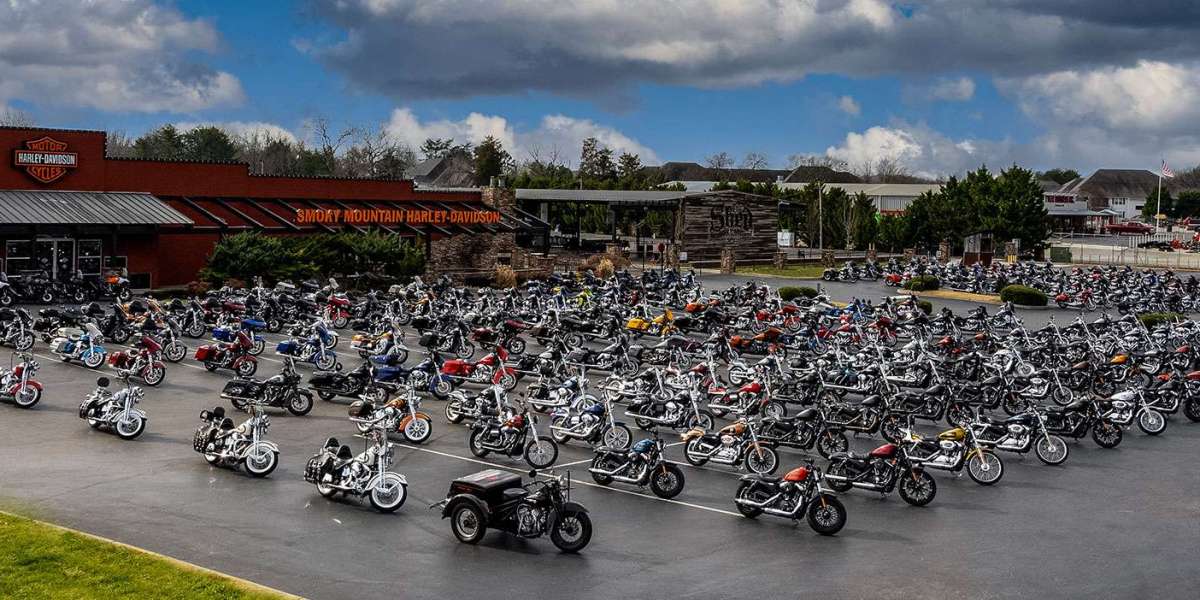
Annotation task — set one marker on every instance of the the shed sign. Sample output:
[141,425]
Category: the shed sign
[45,159]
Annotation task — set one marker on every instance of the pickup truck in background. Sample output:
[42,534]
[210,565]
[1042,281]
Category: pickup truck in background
[1128,228]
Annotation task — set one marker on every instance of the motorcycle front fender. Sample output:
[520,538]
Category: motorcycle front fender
[408,419]
[375,480]
[268,445]
[573,506]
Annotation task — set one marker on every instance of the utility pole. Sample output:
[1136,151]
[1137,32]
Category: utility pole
[820,218]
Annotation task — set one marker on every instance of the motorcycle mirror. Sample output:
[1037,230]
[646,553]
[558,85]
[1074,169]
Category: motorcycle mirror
[102,382]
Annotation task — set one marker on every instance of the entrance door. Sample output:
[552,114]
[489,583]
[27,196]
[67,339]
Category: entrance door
[55,256]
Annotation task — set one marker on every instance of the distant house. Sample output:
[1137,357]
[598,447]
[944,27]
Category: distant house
[1122,192]
[454,170]
[698,178]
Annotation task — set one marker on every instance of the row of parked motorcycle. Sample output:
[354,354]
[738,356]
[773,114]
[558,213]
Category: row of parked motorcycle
[38,287]
[1078,288]
[797,375]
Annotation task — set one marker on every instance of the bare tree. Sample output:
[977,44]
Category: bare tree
[817,160]
[755,160]
[118,144]
[329,145]
[720,161]
[376,154]
[12,117]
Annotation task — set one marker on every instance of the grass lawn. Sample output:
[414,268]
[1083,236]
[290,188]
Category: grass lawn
[806,271]
[39,561]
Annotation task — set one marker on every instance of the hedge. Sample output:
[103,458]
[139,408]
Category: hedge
[791,292]
[1023,295]
[1158,318]
[250,254]
[925,306]
[922,283]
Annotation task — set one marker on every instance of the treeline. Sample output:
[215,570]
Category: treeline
[274,258]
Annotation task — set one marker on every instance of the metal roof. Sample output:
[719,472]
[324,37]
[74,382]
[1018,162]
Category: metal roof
[637,197]
[47,207]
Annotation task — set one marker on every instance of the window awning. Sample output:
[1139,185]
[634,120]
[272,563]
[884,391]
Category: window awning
[49,207]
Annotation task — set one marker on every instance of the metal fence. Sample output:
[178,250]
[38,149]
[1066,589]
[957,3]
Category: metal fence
[1132,256]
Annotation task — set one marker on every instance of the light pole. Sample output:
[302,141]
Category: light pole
[820,218]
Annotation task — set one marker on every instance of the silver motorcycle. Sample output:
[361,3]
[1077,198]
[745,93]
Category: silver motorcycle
[335,469]
[225,445]
[115,410]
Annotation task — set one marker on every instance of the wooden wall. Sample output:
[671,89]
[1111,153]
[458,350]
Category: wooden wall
[708,222]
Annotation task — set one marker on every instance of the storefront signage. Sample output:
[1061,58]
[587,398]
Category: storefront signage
[45,159]
[393,216]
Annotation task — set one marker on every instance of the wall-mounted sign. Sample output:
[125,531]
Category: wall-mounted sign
[730,219]
[393,216]
[45,159]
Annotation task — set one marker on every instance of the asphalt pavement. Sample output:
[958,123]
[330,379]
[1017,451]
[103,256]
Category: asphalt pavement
[1115,523]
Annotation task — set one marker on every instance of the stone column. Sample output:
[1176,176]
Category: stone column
[943,253]
[728,261]
[872,254]
[828,258]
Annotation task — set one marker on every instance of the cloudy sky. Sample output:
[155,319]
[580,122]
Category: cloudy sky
[940,85]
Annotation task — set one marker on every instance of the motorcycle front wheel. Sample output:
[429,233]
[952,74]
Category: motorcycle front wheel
[154,375]
[417,431]
[389,493]
[130,427]
[299,404]
[1151,422]
[618,437]
[666,481]
[246,368]
[94,360]
[25,342]
[826,515]
[1051,449]
[1106,434]
[27,396]
[261,460]
[985,468]
[541,453]
[917,487]
[572,531]
[175,352]
[762,460]
[831,442]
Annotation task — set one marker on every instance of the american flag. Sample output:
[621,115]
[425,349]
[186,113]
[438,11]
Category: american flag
[1166,171]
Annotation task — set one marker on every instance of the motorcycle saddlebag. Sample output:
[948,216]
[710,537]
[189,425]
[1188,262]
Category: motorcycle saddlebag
[254,324]
[223,334]
[240,389]
[361,409]
[204,353]
[428,339]
[62,346]
[488,485]
[287,347]
[312,468]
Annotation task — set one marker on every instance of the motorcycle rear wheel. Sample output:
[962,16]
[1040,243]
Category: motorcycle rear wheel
[473,443]
[745,491]
[468,523]
[572,531]
[838,469]
[1191,409]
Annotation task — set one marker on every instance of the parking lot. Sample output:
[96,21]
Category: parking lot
[1109,523]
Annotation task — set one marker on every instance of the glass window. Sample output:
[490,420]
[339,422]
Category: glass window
[20,256]
[89,257]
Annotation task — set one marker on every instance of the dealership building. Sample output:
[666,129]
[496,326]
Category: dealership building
[66,206]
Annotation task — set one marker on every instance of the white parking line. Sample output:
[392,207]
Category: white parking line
[577,481]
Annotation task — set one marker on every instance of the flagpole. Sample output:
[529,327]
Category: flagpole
[1158,202]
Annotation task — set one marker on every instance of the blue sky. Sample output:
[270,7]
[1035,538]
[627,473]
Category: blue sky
[939,86]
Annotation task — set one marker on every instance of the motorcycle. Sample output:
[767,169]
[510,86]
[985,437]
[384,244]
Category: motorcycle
[80,344]
[336,469]
[797,494]
[315,349]
[593,424]
[142,362]
[803,431]
[462,406]
[884,469]
[513,433]
[496,499]
[17,384]
[229,355]
[359,382]
[954,449]
[280,391]
[17,329]
[402,414]
[642,464]
[115,410]
[1076,419]
[225,445]
[1020,434]
[735,444]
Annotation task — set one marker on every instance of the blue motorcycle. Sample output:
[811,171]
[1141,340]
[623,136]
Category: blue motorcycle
[315,349]
[425,376]
[82,345]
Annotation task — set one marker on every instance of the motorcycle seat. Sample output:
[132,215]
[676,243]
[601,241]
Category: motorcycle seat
[1074,406]
[276,379]
[769,479]
[871,400]
[514,493]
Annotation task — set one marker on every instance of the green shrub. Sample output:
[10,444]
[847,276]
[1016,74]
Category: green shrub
[925,306]
[1158,318]
[791,292]
[1023,295]
[246,255]
[922,283]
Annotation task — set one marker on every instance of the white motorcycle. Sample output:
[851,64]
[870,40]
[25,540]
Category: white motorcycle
[115,410]
[225,445]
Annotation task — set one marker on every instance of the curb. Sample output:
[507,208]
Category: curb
[245,584]
[952,295]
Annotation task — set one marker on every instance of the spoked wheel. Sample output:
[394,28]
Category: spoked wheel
[917,487]
[417,431]
[441,388]
[258,347]
[261,460]
[572,531]
[830,442]
[467,523]
[27,396]
[300,404]
[1106,434]
[985,468]
[826,515]
[25,342]
[705,421]
[618,437]
[389,493]
[1191,409]
[1151,422]
[516,346]
[666,481]
[475,443]
[453,414]
[541,453]
[1051,449]
[762,460]
[889,428]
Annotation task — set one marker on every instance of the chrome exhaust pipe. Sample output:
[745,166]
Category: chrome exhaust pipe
[753,504]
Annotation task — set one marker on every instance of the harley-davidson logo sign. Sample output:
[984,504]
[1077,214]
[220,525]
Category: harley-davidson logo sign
[45,159]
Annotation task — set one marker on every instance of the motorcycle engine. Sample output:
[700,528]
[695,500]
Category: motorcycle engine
[948,446]
[531,520]
[727,440]
[1017,430]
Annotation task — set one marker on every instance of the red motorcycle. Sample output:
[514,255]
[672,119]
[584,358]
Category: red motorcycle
[490,368]
[230,355]
[506,335]
[337,310]
[143,361]
[17,384]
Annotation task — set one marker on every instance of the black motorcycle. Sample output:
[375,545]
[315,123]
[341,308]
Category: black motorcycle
[803,431]
[352,384]
[497,499]
[1076,419]
[643,465]
[513,433]
[281,391]
[884,469]
[796,494]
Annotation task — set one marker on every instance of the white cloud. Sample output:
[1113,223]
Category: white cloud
[554,134]
[953,90]
[130,56]
[244,129]
[849,105]
[926,152]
